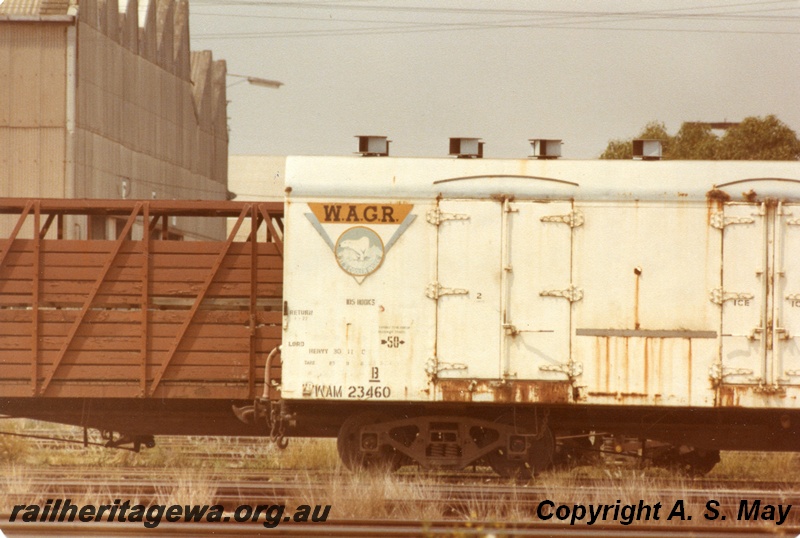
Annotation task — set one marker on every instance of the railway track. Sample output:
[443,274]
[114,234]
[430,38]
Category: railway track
[455,501]
[389,529]
[231,488]
[479,480]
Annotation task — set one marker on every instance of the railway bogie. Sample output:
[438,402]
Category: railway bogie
[445,442]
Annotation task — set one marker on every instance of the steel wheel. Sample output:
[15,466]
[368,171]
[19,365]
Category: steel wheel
[350,450]
[539,456]
[516,469]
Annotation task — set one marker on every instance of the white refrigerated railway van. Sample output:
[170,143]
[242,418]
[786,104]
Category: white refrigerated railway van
[623,284]
[613,282]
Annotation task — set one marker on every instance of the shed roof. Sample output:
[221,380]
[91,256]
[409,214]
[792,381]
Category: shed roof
[33,8]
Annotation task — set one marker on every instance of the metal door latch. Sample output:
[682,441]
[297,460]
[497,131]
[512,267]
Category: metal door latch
[434,290]
[510,329]
[571,294]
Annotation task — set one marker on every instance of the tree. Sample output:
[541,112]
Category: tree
[621,148]
[767,139]
[753,139]
[694,141]
[618,149]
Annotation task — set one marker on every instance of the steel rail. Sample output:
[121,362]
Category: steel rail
[237,489]
[355,528]
[483,480]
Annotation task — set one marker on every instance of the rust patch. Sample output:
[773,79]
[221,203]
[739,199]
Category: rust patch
[465,390]
[750,196]
[689,366]
[608,363]
[552,392]
[647,342]
[638,272]
[718,195]
[626,369]
[455,390]
[727,396]
[637,398]
[715,202]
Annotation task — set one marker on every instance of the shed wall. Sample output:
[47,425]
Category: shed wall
[99,106]
[32,109]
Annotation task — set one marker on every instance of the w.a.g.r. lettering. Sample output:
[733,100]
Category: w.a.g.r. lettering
[360,213]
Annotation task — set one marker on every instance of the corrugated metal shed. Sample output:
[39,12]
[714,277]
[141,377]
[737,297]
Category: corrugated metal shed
[99,106]
[32,107]
[34,7]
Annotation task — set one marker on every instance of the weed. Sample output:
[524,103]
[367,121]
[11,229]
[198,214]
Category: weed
[188,489]
[770,466]
[407,495]
[13,449]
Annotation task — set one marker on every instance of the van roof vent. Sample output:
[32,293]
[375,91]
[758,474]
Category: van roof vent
[545,148]
[373,146]
[646,150]
[466,148]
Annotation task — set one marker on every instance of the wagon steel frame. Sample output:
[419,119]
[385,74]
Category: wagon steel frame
[82,302]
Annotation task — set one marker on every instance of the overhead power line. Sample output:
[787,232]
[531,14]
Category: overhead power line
[539,19]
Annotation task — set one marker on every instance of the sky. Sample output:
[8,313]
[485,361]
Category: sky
[505,71]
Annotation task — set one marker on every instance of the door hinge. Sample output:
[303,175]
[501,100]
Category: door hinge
[719,220]
[767,389]
[435,216]
[717,296]
[570,369]
[433,366]
[434,290]
[573,219]
[717,372]
[572,294]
